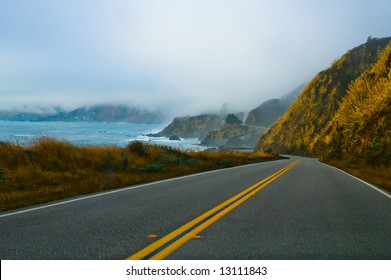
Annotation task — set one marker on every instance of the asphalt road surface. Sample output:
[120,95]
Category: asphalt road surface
[287,209]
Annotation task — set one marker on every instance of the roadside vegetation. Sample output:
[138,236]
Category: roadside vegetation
[48,169]
[379,176]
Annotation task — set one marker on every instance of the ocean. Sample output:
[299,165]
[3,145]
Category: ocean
[91,133]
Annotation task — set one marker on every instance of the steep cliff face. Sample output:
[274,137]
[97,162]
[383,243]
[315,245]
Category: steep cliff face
[270,111]
[360,131]
[319,101]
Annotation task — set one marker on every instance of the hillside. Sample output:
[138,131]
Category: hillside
[295,131]
[28,116]
[270,111]
[192,126]
[360,131]
[214,131]
[109,113]
[233,136]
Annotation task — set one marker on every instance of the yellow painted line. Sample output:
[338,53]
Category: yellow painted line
[172,241]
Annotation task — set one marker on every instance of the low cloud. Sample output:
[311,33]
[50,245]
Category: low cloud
[182,56]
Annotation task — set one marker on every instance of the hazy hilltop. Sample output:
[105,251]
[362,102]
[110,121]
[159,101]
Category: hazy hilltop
[270,111]
[110,113]
[320,100]
[98,113]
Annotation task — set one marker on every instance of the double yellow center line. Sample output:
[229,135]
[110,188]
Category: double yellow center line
[172,241]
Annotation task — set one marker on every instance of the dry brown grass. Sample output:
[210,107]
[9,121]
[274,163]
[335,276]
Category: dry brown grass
[49,169]
[379,176]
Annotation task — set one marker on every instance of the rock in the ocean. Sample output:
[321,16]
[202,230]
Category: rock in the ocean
[174,138]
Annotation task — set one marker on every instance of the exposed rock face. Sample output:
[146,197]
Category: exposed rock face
[174,138]
[233,119]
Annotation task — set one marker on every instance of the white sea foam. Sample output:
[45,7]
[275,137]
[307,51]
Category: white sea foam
[90,133]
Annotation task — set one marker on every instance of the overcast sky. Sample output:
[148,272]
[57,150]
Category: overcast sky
[186,56]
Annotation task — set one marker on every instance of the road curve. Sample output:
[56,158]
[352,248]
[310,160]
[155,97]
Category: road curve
[306,211]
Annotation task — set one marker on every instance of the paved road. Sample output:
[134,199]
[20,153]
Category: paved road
[312,211]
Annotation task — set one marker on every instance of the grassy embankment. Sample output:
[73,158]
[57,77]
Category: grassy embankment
[379,176]
[48,169]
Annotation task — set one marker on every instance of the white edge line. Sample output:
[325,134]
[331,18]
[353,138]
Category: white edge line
[362,181]
[71,200]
